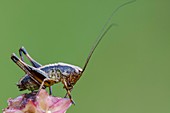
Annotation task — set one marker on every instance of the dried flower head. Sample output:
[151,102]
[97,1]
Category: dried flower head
[41,103]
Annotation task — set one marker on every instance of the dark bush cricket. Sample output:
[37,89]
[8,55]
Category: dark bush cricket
[38,76]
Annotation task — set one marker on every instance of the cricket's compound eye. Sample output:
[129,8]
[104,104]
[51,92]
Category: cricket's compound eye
[78,70]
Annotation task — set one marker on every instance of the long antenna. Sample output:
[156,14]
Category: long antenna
[103,32]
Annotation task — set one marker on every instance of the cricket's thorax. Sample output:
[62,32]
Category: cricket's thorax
[60,71]
[65,69]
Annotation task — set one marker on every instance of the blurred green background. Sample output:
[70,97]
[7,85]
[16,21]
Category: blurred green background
[130,69]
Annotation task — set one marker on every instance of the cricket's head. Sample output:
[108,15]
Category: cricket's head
[75,76]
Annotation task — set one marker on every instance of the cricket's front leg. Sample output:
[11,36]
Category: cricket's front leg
[68,90]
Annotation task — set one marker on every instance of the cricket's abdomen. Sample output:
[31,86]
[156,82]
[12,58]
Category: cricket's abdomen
[26,82]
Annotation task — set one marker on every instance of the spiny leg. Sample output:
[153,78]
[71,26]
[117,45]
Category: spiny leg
[69,86]
[36,74]
[50,90]
[66,95]
[43,82]
[68,91]
[33,62]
